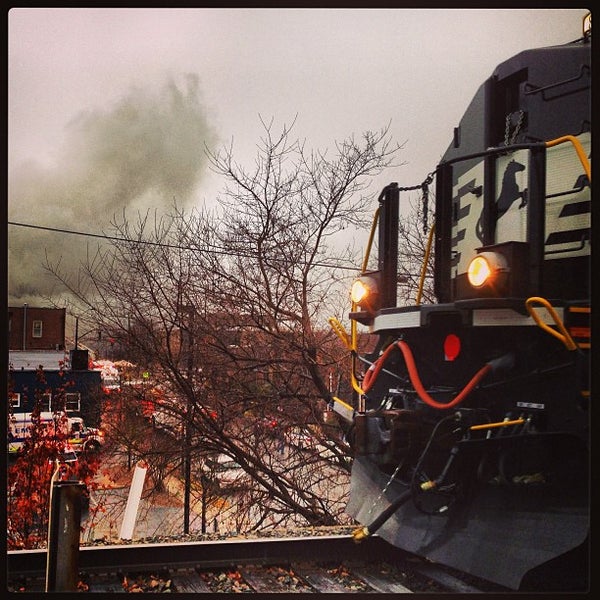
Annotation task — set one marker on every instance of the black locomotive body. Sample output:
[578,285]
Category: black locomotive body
[470,421]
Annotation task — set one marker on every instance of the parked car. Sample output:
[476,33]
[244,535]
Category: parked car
[228,473]
[168,421]
[82,437]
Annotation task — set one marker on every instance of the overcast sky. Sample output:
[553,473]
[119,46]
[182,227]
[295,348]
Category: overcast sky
[77,77]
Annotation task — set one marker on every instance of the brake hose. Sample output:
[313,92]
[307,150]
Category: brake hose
[373,371]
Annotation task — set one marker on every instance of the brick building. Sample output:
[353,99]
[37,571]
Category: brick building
[36,339]
[32,328]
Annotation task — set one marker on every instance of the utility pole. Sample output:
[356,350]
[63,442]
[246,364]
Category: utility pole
[187,470]
[24,325]
[205,483]
[187,460]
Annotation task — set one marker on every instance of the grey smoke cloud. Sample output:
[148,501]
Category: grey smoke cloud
[143,152]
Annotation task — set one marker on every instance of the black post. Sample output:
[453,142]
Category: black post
[25,326]
[187,458]
[388,243]
[536,216]
[187,472]
[204,481]
[62,567]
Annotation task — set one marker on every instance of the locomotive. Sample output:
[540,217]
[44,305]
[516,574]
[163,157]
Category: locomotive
[469,419]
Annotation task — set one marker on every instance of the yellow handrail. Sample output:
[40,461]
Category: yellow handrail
[563,335]
[350,343]
[370,242]
[353,325]
[339,330]
[424,267]
[578,148]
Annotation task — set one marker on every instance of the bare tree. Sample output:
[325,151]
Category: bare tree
[226,310]
[276,226]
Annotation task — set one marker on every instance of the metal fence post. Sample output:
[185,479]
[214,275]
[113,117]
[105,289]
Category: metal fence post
[64,527]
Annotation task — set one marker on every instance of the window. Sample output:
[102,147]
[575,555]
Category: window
[15,399]
[37,329]
[45,402]
[73,402]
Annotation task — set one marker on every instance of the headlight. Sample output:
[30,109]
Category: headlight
[361,289]
[365,297]
[364,291]
[487,269]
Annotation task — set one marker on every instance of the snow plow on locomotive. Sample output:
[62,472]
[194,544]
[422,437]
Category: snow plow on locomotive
[470,418]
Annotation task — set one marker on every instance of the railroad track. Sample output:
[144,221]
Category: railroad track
[319,564]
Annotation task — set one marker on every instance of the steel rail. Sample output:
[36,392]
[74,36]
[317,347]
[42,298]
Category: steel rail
[123,557]
[235,553]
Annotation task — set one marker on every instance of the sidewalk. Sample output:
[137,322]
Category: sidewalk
[158,515]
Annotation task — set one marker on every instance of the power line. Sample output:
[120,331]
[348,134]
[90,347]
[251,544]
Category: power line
[150,243]
[98,235]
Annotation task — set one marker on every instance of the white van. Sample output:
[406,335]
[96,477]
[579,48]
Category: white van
[226,472]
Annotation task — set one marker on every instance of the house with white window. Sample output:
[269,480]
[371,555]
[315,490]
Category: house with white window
[34,328]
[41,370]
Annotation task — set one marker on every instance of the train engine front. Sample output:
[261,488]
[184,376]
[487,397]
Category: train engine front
[470,421]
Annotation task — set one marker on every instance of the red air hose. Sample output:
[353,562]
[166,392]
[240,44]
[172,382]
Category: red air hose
[375,368]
